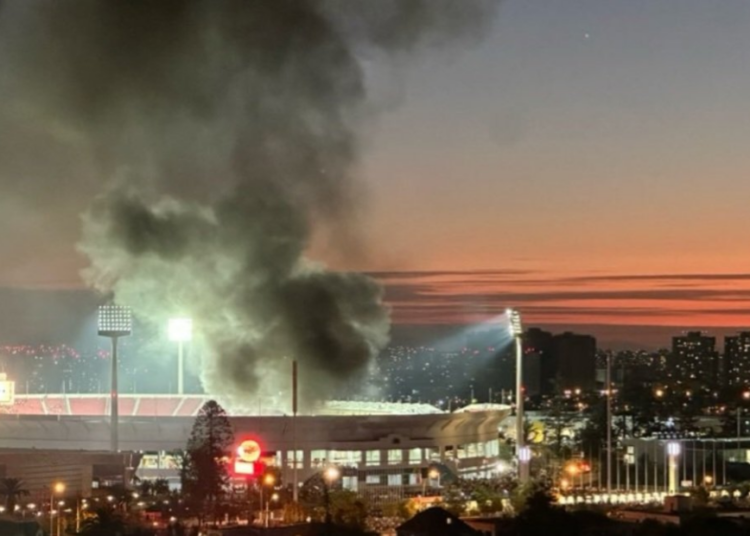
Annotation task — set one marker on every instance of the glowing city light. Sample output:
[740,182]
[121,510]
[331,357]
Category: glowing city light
[180,329]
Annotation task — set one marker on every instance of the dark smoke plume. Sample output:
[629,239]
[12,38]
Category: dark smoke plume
[221,131]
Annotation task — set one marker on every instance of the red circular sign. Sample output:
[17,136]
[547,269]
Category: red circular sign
[249,451]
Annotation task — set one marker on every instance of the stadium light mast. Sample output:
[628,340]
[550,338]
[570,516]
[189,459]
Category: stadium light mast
[522,451]
[115,321]
[180,330]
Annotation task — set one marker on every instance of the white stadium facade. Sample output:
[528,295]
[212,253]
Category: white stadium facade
[379,447]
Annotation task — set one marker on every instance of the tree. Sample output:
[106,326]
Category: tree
[104,522]
[536,514]
[12,489]
[204,471]
[348,509]
[160,487]
[454,500]
[638,401]
[593,436]
[557,424]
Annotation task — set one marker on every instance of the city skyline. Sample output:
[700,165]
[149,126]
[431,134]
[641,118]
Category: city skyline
[374,267]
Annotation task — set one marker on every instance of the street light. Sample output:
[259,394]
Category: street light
[516,331]
[432,474]
[59,488]
[274,498]
[673,451]
[115,321]
[180,331]
[330,475]
[268,480]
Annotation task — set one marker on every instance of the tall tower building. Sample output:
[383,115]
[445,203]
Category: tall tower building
[736,369]
[694,358]
[575,357]
[539,364]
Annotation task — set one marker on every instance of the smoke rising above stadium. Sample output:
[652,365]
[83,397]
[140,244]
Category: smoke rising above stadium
[219,133]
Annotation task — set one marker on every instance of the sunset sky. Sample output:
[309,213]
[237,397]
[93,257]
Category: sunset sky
[586,162]
[592,152]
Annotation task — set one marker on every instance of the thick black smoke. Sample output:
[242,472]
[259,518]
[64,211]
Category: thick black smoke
[221,130]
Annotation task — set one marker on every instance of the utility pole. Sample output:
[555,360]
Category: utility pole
[295,483]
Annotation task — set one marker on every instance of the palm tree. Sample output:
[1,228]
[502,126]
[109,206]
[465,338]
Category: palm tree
[12,489]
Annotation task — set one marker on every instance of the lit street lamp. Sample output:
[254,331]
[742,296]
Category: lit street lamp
[180,331]
[268,480]
[274,498]
[432,474]
[59,488]
[115,321]
[330,475]
[516,331]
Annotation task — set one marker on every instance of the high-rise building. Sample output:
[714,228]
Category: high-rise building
[736,369]
[539,365]
[575,359]
[694,358]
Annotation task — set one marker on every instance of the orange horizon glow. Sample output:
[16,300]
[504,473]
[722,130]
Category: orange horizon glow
[708,300]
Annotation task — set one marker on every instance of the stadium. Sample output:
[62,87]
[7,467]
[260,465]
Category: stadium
[380,447]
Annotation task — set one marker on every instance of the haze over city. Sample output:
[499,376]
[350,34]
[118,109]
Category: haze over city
[582,161]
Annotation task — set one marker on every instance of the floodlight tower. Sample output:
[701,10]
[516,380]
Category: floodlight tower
[522,452]
[180,331]
[115,321]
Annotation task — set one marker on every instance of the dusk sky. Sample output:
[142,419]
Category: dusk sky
[585,162]
[582,140]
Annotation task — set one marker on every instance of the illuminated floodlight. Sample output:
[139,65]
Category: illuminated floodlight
[673,448]
[514,322]
[115,321]
[524,454]
[180,329]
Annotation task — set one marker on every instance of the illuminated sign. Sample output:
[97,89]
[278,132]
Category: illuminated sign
[247,462]
[7,390]
[249,451]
